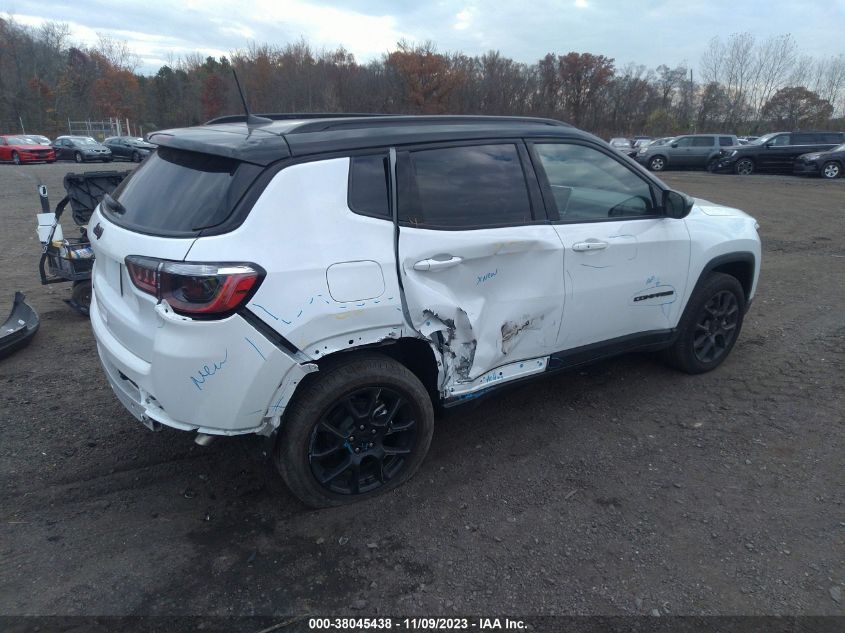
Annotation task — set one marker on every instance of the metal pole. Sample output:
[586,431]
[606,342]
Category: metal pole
[20,120]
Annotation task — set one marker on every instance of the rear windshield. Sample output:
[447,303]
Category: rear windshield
[179,193]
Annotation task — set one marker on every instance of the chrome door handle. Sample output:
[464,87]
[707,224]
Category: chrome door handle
[589,245]
[437,264]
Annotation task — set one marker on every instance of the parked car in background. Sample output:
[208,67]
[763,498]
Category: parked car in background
[131,148]
[23,149]
[688,151]
[39,139]
[775,152]
[621,144]
[830,164]
[81,149]
[228,298]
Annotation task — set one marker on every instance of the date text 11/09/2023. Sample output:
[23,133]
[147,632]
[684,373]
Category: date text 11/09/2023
[418,624]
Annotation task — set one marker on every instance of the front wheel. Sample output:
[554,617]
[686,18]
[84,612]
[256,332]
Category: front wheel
[16,159]
[136,157]
[78,157]
[658,163]
[744,167]
[831,170]
[354,430]
[710,325]
[711,165]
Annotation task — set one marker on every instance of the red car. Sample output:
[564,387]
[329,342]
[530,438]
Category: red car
[22,149]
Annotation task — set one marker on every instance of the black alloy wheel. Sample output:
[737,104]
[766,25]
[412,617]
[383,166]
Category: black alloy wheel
[363,441]
[744,167]
[716,328]
[358,427]
[709,326]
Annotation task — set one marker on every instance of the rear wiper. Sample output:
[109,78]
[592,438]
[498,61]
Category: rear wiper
[113,205]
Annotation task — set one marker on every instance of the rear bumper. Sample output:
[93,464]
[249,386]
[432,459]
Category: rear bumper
[220,378]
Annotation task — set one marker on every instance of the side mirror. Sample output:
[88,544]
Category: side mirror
[767,145]
[676,204]
[674,145]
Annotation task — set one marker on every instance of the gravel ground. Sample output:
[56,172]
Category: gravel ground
[622,488]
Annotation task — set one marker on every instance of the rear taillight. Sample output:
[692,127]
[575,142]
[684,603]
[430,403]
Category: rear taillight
[197,290]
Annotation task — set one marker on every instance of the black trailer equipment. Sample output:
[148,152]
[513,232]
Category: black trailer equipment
[71,258]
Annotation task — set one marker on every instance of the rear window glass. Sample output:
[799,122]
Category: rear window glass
[726,141]
[474,186]
[179,193]
[702,141]
[368,185]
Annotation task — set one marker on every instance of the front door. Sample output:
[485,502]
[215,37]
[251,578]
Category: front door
[679,151]
[625,263]
[481,267]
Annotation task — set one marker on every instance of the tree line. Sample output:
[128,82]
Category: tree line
[744,85]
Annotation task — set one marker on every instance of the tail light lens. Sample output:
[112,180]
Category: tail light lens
[197,290]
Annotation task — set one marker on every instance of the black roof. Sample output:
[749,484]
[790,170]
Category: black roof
[295,135]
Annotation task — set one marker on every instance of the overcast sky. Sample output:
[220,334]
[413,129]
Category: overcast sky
[649,32]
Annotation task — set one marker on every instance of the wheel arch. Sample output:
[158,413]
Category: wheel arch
[414,353]
[741,265]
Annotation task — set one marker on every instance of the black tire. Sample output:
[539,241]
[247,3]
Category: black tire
[711,165]
[317,436]
[657,163]
[107,160]
[706,335]
[831,169]
[744,167]
[136,157]
[81,294]
[77,156]
[16,159]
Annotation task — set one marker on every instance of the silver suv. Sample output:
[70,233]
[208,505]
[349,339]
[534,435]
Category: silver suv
[692,150]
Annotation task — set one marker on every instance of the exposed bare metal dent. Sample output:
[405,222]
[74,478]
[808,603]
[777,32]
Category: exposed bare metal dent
[454,342]
[511,331]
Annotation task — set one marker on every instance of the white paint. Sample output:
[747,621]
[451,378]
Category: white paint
[355,281]
[492,303]
[601,283]
[503,276]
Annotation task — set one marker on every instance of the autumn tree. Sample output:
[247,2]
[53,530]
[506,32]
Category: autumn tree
[582,78]
[797,108]
[425,75]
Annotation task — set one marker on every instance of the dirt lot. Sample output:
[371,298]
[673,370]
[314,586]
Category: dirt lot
[622,488]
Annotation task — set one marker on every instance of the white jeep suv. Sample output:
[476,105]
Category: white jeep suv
[328,281]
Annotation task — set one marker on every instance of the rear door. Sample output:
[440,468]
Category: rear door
[162,206]
[701,148]
[482,269]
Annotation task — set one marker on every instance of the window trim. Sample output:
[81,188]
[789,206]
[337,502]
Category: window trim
[545,186]
[385,154]
[537,206]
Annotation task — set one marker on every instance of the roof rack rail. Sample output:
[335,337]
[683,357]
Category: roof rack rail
[419,120]
[323,121]
[287,116]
